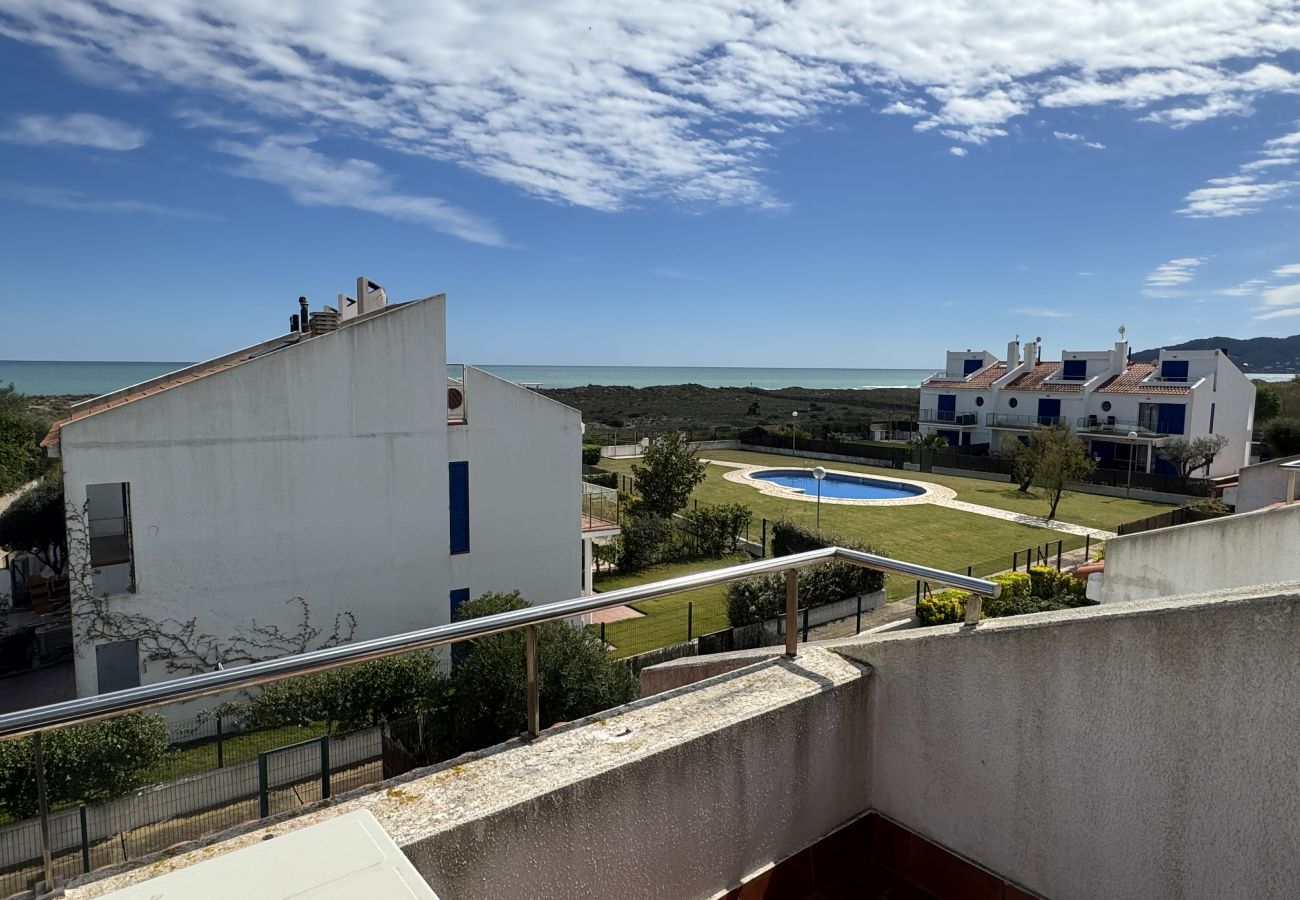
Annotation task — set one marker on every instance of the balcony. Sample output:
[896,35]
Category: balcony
[1020,421]
[1027,771]
[1111,425]
[949,417]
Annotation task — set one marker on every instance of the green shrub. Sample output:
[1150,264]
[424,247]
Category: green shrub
[644,541]
[717,527]
[602,479]
[591,454]
[88,763]
[1015,585]
[1283,436]
[943,608]
[1210,505]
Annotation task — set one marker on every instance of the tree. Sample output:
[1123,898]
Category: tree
[1283,436]
[36,522]
[1054,458]
[576,677]
[1188,456]
[1267,403]
[668,474]
[21,456]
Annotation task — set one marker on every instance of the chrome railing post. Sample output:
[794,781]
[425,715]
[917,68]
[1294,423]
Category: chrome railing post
[530,675]
[43,807]
[792,613]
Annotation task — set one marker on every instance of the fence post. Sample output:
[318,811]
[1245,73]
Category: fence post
[1059,547]
[690,611]
[530,676]
[325,767]
[763,555]
[85,839]
[1029,557]
[857,628]
[1087,547]
[263,789]
[805,624]
[968,570]
[221,750]
[918,592]
[602,633]
[791,613]
[43,807]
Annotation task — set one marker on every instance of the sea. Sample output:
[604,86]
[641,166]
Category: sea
[77,377]
[63,377]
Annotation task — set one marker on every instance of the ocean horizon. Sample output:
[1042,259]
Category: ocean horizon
[75,377]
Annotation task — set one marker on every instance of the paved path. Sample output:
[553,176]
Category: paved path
[963,506]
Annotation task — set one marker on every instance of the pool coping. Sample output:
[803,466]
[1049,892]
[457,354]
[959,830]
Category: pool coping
[743,474]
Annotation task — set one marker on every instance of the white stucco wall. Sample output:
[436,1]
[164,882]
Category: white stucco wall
[1264,484]
[1232,552]
[320,471]
[1140,751]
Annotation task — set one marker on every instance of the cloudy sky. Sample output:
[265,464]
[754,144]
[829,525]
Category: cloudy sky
[596,181]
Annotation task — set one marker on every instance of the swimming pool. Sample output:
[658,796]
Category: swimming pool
[838,486]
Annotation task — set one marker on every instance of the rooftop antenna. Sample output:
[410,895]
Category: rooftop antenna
[1122,331]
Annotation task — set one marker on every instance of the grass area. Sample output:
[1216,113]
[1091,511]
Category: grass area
[201,756]
[1092,510]
[664,622]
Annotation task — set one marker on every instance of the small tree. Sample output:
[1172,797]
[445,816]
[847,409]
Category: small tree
[1283,436]
[1054,458]
[1187,456]
[1267,403]
[575,675]
[667,475]
[37,522]
[931,441]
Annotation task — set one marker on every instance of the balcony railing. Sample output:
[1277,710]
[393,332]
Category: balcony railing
[1021,421]
[949,417]
[1111,425]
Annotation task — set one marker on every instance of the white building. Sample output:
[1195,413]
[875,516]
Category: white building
[1123,409]
[337,463]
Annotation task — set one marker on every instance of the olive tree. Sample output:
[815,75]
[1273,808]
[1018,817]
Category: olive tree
[1053,458]
[1188,456]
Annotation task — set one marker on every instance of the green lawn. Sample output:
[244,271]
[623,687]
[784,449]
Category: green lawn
[201,756]
[1092,510]
[664,622]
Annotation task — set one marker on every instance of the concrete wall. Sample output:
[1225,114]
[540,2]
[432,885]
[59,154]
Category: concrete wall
[1263,484]
[1141,751]
[1231,552]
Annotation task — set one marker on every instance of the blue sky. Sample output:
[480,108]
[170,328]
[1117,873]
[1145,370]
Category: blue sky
[648,183]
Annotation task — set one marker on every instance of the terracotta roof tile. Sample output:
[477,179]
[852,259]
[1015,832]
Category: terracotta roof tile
[1130,382]
[982,379]
[1034,381]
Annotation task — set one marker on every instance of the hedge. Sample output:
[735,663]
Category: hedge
[591,454]
[758,599]
[1042,589]
[602,479]
[718,527]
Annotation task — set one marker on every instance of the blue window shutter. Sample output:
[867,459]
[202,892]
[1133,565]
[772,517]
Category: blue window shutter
[1172,418]
[971,365]
[458,494]
[1174,370]
[458,596]
[1074,369]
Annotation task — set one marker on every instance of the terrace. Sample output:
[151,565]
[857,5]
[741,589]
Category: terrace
[1020,421]
[996,759]
[948,417]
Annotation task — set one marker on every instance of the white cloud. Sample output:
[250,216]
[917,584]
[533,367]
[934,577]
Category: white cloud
[600,103]
[314,179]
[1041,312]
[76,129]
[1280,313]
[1245,289]
[1242,193]
[193,117]
[1283,295]
[1084,274]
[1172,274]
[957,151]
[1078,138]
[1284,271]
[76,201]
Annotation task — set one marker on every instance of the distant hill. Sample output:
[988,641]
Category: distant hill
[1261,354]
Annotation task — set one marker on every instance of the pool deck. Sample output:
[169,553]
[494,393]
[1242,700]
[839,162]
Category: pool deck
[938,494]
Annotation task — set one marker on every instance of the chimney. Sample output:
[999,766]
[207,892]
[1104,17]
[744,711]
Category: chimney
[1031,354]
[293,324]
[1119,357]
[1013,354]
[303,310]
[324,321]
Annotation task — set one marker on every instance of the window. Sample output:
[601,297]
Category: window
[108,521]
[979,401]
[1174,370]
[458,597]
[1074,369]
[1105,406]
[971,365]
[458,497]
[1013,403]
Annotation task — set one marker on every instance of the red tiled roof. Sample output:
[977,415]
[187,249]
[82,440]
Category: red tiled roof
[982,379]
[1033,381]
[1130,382]
[52,437]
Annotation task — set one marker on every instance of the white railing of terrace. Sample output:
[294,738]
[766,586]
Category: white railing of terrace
[36,721]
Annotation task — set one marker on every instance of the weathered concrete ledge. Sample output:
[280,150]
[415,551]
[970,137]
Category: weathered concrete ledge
[676,796]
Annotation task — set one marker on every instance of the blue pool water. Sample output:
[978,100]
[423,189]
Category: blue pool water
[840,487]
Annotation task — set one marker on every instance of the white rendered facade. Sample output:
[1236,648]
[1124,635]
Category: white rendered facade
[322,470]
[1123,409]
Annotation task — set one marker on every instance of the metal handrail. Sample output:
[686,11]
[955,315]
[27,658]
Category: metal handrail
[87,709]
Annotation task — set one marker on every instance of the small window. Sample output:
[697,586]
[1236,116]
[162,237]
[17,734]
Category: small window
[1074,369]
[459,597]
[1105,406]
[1013,403]
[108,522]
[979,401]
[971,365]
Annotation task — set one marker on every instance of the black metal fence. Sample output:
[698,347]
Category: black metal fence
[870,454]
[1181,516]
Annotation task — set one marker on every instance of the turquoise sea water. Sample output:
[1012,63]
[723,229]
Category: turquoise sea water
[102,377]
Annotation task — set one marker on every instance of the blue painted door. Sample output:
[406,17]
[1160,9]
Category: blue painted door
[1172,418]
[947,408]
[1048,411]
